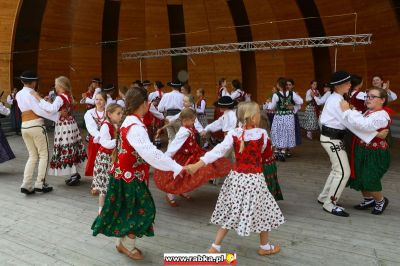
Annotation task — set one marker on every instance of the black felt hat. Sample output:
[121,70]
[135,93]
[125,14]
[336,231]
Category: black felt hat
[175,84]
[138,82]
[225,102]
[109,88]
[159,84]
[146,82]
[28,76]
[339,77]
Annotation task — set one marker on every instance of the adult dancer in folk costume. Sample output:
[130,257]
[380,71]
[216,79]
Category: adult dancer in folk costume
[312,112]
[6,153]
[332,134]
[15,112]
[283,132]
[34,135]
[171,104]
[68,149]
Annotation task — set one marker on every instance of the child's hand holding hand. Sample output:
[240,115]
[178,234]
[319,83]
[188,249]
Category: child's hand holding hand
[192,168]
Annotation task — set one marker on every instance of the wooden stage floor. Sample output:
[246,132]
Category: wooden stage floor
[54,229]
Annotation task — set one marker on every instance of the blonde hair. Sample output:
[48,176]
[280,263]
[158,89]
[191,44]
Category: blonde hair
[245,112]
[64,82]
[111,108]
[187,113]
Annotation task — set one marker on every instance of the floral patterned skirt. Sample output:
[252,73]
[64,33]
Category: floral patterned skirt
[271,178]
[283,133]
[165,181]
[100,173]
[310,119]
[128,209]
[245,204]
[68,151]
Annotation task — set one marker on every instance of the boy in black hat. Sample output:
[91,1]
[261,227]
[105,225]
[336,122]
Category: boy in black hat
[225,122]
[332,134]
[34,135]
[171,104]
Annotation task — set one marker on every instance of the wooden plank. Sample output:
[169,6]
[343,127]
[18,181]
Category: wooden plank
[67,214]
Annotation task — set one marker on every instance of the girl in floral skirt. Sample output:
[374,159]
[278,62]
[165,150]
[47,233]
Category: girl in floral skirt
[311,114]
[68,151]
[94,118]
[103,161]
[129,209]
[244,203]
[269,164]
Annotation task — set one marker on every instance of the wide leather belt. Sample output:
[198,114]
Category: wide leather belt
[28,116]
[333,133]
[171,112]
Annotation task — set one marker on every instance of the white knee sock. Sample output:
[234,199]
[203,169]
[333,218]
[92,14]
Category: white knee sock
[266,246]
[217,247]
[128,243]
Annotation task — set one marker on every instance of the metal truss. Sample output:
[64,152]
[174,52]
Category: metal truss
[328,41]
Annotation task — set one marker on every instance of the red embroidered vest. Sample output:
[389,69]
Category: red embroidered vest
[67,107]
[190,145]
[198,103]
[358,104]
[249,161]
[376,143]
[129,165]
[111,130]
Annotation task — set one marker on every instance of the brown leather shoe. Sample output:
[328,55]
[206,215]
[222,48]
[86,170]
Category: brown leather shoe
[263,252]
[135,254]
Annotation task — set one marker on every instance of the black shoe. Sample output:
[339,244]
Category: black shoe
[380,211]
[75,180]
[45,189]
[320,202]
[365,206]
[69,179]
[27,192]
[338,211]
